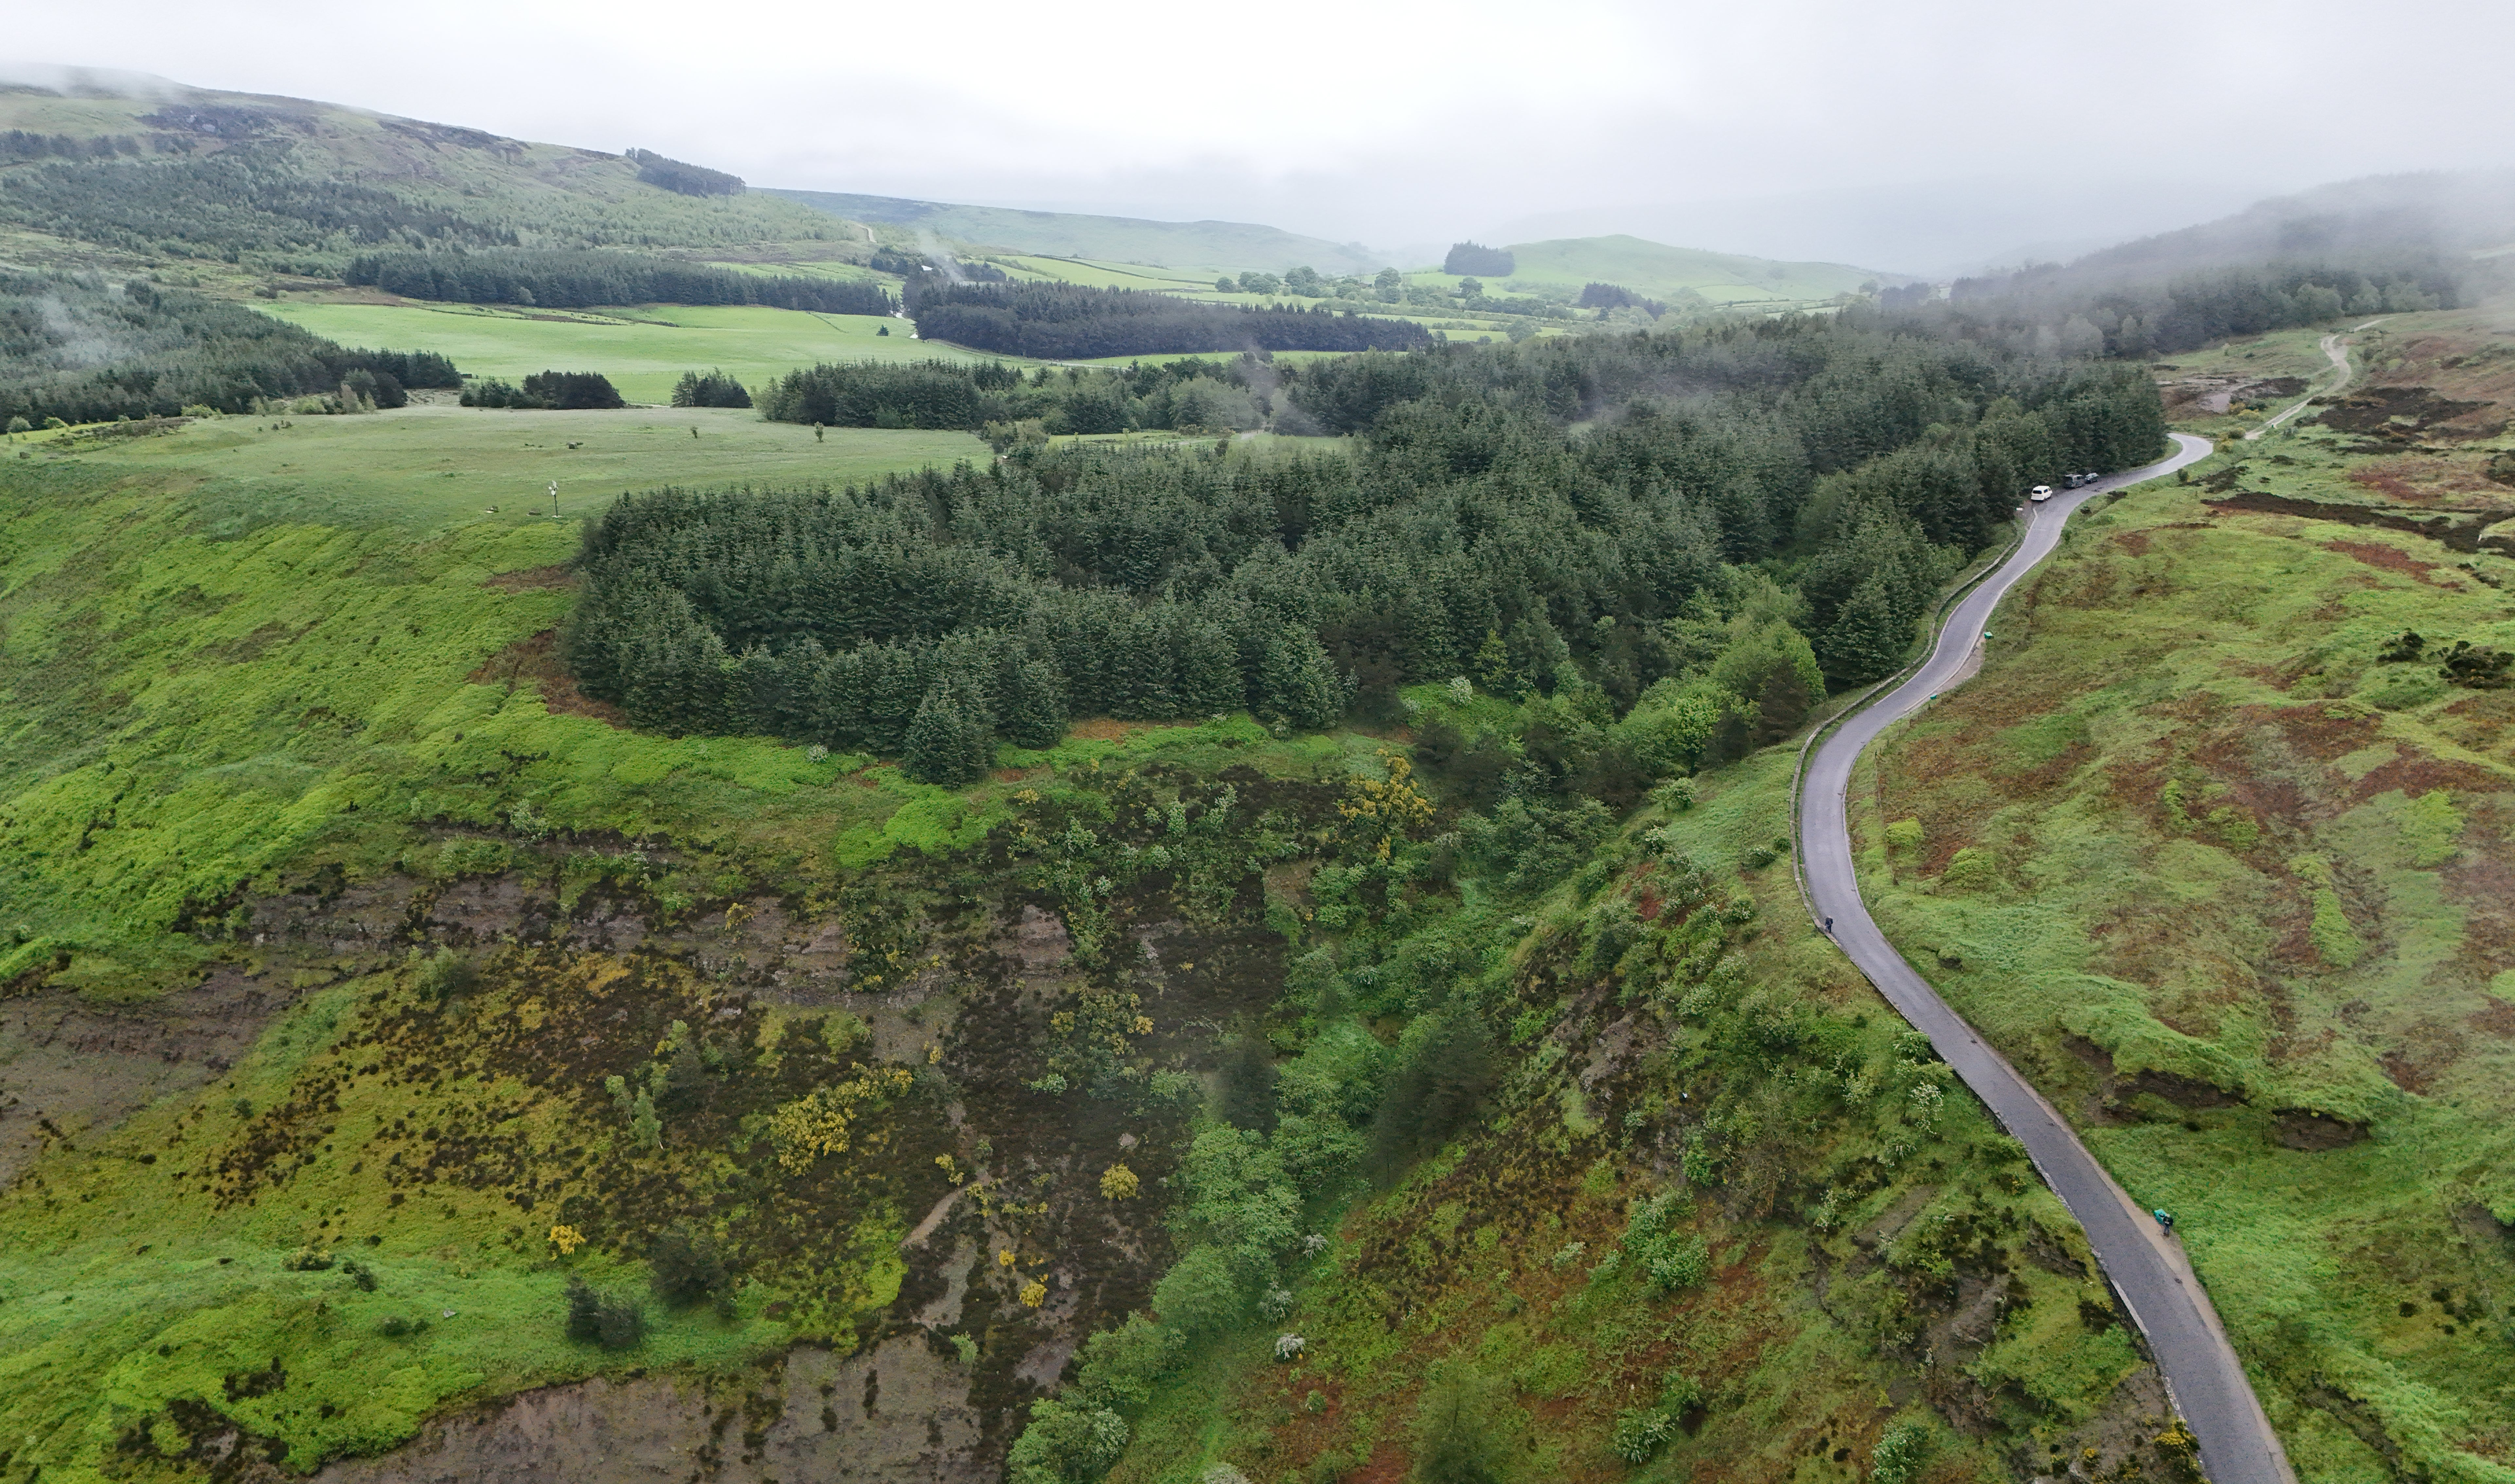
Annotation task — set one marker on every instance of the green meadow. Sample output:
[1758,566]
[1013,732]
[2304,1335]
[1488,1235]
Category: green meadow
[2230,885]
[430,467]
[644,350]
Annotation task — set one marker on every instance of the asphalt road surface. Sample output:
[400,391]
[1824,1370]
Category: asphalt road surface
[2146,1267]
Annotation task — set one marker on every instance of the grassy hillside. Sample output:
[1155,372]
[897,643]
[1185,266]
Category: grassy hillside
[1236,245]
[366,985]
[644,350]
[478,185]
[2229,879]
[1659,271]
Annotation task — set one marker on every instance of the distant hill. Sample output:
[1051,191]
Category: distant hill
[1658,270]
[2445,213]
[1234,245]
[148,169]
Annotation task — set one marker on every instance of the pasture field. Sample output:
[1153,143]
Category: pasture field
[644,350]
[1658,270]
[432,467]
[2224,869]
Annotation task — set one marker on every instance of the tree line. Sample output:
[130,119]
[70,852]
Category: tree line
[549,391]
[23,144]
[1186,394]
[1479,261]
[562,278]
[1471,534]
[682,178]
[1058,321]
[245,199]
[84,349]
[2053,310]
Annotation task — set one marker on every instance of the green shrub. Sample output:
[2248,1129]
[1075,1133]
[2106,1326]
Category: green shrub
[1463,1430]
[1900,1454]
[442,977]
[687,1269]
[613,1321]
[1641,1432]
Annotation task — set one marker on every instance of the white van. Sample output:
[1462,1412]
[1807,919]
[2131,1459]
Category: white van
[2039,493]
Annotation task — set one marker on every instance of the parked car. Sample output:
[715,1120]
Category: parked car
[2039,493]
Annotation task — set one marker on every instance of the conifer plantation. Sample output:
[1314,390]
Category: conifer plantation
[1471,534]
[82,349]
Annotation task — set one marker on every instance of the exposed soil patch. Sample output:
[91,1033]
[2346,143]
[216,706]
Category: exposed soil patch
[2462,534]
[536,660]
[2314,1133]
[806,1418]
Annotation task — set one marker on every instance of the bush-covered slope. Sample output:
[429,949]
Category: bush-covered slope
[2219,858]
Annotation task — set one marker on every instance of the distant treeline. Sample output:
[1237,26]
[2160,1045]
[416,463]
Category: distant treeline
[1057,321]
[549,391]
[559,278]
[243,198]
[1192,395]
[709,388]
[2050,309]
[1472,534]
[1614,296]
[20,144]
[1475,259]
[682,176]
[84,349]
[889,261]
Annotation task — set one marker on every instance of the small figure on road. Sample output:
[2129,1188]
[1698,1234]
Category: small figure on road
[1829,927]
[2164,1219]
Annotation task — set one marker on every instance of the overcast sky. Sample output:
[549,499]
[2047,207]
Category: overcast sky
[1789,128]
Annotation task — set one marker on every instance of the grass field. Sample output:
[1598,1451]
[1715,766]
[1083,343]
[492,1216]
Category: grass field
[435,465]
[644,350]
[1105,240]
[2233,888]
[1657,271]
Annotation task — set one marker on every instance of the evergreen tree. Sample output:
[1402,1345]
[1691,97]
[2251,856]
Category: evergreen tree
[1297,685]
[1871,636]
[946,744]
[1034,706]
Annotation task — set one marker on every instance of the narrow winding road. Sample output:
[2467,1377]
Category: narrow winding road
[2147,1267]
[2334,350]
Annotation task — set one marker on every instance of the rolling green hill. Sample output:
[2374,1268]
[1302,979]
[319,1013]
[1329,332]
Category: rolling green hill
[1658,270]
[1236,245]
[170,186]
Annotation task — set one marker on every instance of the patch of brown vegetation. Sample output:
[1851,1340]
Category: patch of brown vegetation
[2425,478]
[536,659]
[2495,1018]
[2401,413]
[530,579]
[2390,558]
[1106,730]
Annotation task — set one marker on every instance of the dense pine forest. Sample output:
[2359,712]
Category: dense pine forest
[1054,322]
[559,278]
[82,349]
[2086,310]
[1814,481]
[1191,396]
